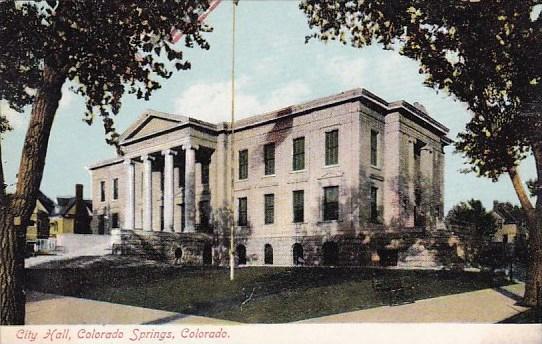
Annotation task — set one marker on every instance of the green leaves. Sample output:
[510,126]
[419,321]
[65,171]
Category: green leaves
[106,47]
[473,216]
[486,54]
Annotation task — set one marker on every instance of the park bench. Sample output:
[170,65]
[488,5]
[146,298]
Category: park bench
[395,290]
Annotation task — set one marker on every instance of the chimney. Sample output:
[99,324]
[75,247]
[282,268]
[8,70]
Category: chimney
[79,192]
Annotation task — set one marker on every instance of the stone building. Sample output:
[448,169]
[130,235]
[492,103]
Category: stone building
[340,180]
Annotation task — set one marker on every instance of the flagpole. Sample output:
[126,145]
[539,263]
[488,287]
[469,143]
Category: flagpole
[232,170]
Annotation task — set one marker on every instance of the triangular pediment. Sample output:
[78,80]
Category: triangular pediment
[151,123]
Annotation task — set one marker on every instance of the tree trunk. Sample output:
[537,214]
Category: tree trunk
[15,213]
[533,284]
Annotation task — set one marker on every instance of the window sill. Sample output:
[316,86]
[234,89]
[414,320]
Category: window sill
[300,223]
[269,175]
[329,221]
[331,166]
[376,167]
[298,171]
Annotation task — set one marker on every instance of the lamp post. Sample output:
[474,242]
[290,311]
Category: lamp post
[232,150]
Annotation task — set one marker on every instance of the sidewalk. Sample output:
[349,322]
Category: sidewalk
[44,309]
[482,306]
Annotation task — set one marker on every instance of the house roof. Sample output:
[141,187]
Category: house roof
[506,215]
[47,203]
[64,204]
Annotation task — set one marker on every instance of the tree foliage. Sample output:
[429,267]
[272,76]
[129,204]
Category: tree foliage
[472,216]
[486,53]
[105,47]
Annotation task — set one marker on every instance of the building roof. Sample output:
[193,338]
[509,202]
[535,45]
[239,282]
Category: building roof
[503,211]
[64,204]
[47,203]
[415,112]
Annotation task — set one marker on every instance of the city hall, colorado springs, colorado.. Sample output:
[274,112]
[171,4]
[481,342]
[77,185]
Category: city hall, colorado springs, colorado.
[348,179]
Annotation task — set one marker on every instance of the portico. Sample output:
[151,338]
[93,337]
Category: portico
[158,172]
[168,176]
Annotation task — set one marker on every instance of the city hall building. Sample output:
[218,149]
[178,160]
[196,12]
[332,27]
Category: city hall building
[341,180]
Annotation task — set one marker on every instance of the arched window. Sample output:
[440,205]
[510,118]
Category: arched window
[297,251]
[241,254]
[207,254]
[178,255]
[268,254]
[330,253]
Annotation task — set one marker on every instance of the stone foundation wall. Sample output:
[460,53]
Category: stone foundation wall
[180,248]
[407,250]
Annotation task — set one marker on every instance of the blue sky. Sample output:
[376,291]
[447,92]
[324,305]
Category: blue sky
[275,68]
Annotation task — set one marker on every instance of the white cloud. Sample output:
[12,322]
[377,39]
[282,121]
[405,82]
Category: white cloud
[348,73]
[390,75]
[212,101]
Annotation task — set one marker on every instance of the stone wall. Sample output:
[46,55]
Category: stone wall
[177,248]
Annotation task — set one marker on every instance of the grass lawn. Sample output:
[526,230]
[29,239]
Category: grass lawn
[278,294]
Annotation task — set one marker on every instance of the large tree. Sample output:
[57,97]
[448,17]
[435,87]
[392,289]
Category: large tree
[105,48]
[477,223]
[484,53]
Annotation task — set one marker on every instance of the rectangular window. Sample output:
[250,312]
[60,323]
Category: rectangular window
[161,217]
[269,158]
[116,188]
[331,203]
[101,224]
[204,214]
[183,217]
[115,220]
[332,147]
[102,191]
[243,164]
[374,205]
[374,148]
[299,154]
[242,209]
[269,208]
[299,205]
[204,173]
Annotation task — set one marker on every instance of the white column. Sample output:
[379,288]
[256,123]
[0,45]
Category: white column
[147,193]
[129,212]
[169,196]
[190,187]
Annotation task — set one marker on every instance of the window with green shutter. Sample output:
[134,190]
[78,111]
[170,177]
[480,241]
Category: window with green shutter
[374,205]
[299,205]
[204,173]
[242,219]
[269,158]
[116,188]
[331,203]
[243,164]
[102,191]
[299,154]
[374,148]
[269,208]
[332,147]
